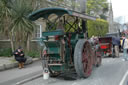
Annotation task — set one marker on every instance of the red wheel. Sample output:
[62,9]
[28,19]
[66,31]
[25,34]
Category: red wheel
[83,58]
[87,59]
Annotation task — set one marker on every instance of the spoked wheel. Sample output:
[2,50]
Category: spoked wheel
[87,59]
[83,58]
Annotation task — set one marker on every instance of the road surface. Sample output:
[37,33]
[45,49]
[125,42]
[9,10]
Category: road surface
[113,71]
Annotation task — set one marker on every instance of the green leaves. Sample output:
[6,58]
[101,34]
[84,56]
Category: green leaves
[97,8]
[21,25]
[5,16]
[97,28]
[13,19]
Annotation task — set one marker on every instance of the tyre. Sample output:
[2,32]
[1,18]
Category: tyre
[83,59]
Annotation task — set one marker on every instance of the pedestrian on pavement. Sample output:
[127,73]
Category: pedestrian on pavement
[125,48]
[19,56]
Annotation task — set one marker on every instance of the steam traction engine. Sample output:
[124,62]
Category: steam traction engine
[67,46]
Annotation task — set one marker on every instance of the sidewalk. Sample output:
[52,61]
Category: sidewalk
[9,62]
[15,76]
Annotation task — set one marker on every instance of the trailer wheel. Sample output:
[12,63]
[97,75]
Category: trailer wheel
[83,59]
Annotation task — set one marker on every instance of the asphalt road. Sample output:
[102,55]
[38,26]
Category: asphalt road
[113,71]
[12,76]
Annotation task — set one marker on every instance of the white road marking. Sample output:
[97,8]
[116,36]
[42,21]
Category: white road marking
[29,79]
[123,79]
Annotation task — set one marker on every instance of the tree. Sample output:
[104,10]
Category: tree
[69,4]
[6,20]
[97,8]
[22,27]
[97,28]
[14,21]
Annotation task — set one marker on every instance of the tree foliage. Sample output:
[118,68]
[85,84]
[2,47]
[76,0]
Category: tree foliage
[5,16]
[97,8]
[97,28]
[21,26]
[13,20]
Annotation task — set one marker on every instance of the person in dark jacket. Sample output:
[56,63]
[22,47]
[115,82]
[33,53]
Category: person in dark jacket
[19,56]
[116,43]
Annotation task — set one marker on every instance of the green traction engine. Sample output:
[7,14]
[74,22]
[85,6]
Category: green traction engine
[66,46]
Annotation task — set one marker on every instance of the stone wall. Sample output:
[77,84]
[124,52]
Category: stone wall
[6,44]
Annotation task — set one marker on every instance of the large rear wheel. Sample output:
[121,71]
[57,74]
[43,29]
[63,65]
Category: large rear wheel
[83,59]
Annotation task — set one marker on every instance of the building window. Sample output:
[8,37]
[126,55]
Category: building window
[38,31]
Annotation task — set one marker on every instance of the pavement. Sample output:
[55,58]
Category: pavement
[9,62]
[16,76]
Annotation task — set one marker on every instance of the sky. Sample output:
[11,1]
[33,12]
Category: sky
[120,8]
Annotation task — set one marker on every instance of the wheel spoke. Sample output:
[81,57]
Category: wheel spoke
[86,59]
[85,65]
